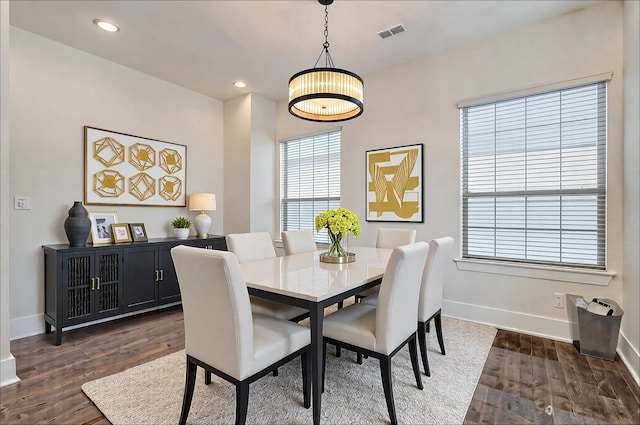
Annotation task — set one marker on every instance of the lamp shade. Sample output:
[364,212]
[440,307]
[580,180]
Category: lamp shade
[326,94]
[202,202]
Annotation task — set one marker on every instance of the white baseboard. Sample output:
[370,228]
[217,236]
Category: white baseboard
[629,356]
[34,325]
[558,330]
[8,371]
[529,324]
[23,327]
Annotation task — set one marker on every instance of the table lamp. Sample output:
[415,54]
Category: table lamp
[203,202]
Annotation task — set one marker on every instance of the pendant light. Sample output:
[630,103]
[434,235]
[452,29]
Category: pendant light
[325,94]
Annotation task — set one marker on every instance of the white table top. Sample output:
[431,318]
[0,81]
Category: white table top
[304,276]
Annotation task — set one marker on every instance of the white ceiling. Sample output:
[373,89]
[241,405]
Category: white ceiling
[206,45]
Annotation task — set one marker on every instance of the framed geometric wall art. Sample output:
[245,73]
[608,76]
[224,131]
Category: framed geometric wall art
[122,169]
[394,184]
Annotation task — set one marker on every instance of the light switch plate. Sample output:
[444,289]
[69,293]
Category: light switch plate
[21,203]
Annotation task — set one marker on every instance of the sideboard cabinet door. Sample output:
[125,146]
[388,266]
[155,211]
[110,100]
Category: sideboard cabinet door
[141,278]
[92,284]
[168,288]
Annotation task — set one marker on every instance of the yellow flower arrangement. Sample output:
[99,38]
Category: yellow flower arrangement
[339,223]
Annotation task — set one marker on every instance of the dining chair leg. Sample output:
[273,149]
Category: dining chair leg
[422,339]
[359,357]
[413,352]
[324,362]
[242,402]
[385,371]
[305,359]
[438,322]
[339,349]
[189,385]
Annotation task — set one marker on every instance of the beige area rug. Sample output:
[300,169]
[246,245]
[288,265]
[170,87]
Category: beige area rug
[152,392]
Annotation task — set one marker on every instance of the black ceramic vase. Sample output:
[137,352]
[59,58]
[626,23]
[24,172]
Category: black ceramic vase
[77,225]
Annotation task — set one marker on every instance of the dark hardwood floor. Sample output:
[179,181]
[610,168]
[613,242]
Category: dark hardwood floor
[529,379]
[525,379]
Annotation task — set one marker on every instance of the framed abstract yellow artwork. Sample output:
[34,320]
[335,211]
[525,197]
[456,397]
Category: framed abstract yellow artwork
[394,184]
[122,169]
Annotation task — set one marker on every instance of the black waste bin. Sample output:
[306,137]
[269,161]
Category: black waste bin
[595,326]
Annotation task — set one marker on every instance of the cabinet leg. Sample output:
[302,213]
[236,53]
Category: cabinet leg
[47,327]
[58,336]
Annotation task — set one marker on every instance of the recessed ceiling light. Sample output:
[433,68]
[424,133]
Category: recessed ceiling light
[240,84]
[107,26]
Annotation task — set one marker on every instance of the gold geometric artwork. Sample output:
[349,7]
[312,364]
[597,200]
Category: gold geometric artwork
[123,169]
[394,191]
[142,186]
[170,160]
[142,156]
[108,183]
[108,151]
[170,187]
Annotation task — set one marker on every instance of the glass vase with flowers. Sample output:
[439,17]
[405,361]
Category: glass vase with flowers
[339,223]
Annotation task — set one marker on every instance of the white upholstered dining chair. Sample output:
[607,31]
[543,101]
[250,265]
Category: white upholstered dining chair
[389,238]
[392,238]
[381,330]
[431,290]
[430,304]
[223,336]
[259,246]
[298,241]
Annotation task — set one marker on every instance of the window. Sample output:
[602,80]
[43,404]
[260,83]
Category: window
[309,180]
[533,178]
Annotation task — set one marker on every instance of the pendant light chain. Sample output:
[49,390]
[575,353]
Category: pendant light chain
[328,61]
[326,27]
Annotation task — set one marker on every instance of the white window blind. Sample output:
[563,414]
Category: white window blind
[534,178]
[309,180]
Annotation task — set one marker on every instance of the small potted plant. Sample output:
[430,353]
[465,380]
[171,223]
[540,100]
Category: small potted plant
[181,227]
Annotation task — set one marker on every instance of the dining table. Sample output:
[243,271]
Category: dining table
[303,280]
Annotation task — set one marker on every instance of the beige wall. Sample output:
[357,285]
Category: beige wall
[263,162]
[7,362]
[631,286]
[55,91]
[416,103]
[249,162]
[237,163]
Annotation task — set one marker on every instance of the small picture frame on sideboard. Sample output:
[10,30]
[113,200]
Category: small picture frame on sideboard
[121,232]
[138,232]
[101,226]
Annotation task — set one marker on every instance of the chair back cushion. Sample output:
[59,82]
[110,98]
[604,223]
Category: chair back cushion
[217,313]
[433,277]
[392,238]
[297,241]
[398,298]
[251,246]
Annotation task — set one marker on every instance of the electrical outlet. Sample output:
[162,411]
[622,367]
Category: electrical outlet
[21,203]
[558,300]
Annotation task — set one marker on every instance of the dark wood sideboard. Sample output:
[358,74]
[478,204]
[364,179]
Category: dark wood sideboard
[94,282]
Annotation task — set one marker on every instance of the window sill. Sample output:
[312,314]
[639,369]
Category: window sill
[563,274]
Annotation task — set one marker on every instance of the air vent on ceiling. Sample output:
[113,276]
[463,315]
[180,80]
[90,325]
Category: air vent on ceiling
[391,31]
